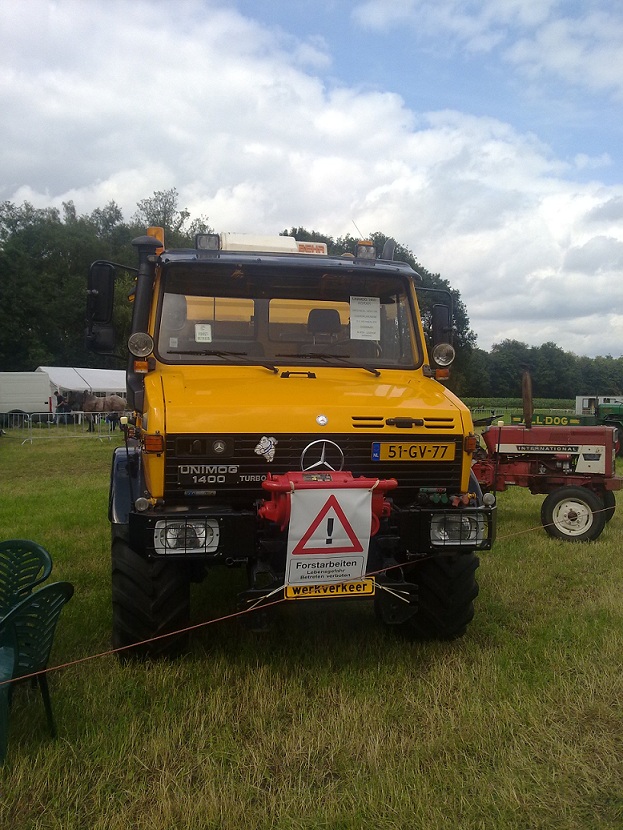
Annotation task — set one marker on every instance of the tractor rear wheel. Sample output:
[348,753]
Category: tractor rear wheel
[575,514]
[149,599]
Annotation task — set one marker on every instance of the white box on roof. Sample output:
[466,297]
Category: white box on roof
[258,242]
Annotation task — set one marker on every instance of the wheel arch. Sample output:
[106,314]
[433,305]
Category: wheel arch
[126,483]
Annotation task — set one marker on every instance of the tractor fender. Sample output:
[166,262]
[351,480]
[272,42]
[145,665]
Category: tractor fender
[615,422]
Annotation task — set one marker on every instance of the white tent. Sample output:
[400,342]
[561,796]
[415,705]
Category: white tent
[102,381]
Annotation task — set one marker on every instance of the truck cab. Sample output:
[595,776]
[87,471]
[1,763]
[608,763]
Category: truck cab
[260,366]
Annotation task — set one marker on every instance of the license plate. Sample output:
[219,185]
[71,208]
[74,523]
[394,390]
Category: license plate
[326,590]
[412,451]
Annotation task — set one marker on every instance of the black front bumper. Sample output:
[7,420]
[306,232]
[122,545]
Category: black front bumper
[244,537]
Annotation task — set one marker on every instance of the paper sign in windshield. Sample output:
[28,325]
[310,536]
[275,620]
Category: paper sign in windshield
[203,333]
[328,536]
[365,318]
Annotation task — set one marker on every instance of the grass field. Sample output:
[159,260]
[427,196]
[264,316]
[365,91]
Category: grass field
[328,721]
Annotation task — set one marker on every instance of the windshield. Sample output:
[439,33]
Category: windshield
[255,314]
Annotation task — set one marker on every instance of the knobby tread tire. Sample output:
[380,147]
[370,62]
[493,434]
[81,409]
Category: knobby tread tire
[149,598]
[447,588]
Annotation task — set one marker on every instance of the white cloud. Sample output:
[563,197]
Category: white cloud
[478,25]
[584,51]
[539,37]
[112,101]
[601,254]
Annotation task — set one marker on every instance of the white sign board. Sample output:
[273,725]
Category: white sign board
[365,318]
[328,536]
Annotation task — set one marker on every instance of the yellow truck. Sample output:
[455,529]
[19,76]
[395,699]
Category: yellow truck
[288,420]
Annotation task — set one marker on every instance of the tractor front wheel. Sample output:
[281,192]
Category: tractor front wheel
[575,514]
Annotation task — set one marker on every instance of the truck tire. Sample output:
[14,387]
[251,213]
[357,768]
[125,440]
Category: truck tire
[573,513]
[447,589]
[149,599]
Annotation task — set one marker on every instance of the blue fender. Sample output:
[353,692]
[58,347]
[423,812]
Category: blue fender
[126,483]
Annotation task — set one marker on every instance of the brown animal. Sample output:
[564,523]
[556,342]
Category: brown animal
[89,403]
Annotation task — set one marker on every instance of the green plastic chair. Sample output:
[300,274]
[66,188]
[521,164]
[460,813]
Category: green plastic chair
[23,565]
[26,637]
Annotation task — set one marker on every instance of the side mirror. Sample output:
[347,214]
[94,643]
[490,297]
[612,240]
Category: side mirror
[100,339]
[442,328]
[100,293]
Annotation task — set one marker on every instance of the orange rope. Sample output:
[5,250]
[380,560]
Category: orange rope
[232,616]
[141,643]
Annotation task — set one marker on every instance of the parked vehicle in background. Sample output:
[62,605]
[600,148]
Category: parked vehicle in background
[23,394]
[602,410]
[589,405]
[590,411]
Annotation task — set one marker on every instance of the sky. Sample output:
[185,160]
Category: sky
[484,135]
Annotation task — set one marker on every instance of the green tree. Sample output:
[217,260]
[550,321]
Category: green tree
[507,361]
[44,259]
[477,375]
[554,373]
[606,376]
[161,210]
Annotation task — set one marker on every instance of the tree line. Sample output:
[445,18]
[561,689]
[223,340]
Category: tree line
[45,255]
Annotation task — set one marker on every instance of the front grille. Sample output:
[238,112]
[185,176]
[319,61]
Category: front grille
[251,467]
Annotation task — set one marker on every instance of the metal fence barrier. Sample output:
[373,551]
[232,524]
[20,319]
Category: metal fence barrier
[101,425]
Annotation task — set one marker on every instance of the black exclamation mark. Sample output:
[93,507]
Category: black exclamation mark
[329,531]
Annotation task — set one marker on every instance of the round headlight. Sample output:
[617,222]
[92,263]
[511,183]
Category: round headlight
[140,344]
[444,354]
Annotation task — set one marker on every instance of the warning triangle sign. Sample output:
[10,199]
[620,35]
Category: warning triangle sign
[309,545]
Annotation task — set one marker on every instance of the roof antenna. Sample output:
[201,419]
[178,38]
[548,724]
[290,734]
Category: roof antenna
[357,229]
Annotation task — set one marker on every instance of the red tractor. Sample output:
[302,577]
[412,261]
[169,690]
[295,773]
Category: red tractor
[573,466]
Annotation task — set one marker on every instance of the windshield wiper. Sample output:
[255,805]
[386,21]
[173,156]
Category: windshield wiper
[345,358]
[219,353]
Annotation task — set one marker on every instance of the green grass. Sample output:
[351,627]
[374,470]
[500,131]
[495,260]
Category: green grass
[328,721]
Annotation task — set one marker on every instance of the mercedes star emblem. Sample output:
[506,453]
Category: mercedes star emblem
[324,455]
